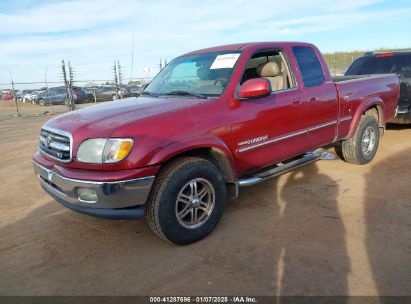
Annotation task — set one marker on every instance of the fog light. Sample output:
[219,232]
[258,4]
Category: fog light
[87,194]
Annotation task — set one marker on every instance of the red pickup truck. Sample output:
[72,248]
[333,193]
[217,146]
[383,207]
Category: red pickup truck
[210,122]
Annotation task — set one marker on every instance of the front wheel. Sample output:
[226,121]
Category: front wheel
[42,102]
[360,149]
[187,201]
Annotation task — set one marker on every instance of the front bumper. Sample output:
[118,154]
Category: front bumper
[118,199]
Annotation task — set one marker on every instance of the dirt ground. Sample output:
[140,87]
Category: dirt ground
[330,228]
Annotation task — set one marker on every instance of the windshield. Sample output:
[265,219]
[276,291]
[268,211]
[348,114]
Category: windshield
[201,75]
[382,64]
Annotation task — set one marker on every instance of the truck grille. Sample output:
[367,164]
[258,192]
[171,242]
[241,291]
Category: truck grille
[56,144]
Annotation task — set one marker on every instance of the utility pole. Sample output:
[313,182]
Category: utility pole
[47,90]
[132,60]
[68,82]
[14,97]
[118,77]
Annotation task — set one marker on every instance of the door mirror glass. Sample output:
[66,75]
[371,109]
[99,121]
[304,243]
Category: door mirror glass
[254,88]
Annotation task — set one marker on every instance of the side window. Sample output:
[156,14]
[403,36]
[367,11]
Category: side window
[271,65]
[310,67]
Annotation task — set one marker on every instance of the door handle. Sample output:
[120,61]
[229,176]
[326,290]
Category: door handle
[296,101]
[314,99]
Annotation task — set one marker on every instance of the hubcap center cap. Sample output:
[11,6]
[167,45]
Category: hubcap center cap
[195,202]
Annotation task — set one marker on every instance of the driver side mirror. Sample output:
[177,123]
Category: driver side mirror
[254,88]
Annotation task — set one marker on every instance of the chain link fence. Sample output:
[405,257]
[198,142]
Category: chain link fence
[339,62]
[24,99]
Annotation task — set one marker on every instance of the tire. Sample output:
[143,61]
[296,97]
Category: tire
[42,102]
[114,97]
[360,149]
[172,206]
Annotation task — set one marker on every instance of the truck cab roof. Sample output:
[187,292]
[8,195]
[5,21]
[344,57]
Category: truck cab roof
[248,45]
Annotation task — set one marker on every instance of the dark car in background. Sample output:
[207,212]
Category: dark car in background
[58,95]
[51,96]
[384,63]
[105,93]
[79,96]
[134,90]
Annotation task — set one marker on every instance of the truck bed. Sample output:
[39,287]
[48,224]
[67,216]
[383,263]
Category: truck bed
[354,91]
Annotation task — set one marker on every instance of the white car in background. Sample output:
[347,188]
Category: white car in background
[31,97]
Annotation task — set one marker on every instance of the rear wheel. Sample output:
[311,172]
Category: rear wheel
[187,201]
[42,102]
[362,146]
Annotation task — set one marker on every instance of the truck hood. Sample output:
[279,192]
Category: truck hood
[103,119]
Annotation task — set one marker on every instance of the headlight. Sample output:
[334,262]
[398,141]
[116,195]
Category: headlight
[104,150]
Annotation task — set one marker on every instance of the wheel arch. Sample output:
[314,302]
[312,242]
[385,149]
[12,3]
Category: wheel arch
[213,150]
[372,107]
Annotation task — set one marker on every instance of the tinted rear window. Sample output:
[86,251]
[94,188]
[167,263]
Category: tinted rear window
[310,66]
[397,63]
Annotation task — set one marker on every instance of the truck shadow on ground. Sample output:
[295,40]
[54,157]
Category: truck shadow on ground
[398,127]
[313,257]
[387,212]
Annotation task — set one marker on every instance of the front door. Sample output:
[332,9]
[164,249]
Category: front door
[273,128]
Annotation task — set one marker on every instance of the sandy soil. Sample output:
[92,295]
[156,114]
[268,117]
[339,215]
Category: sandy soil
[330,228]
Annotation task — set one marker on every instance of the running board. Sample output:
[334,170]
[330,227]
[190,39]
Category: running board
[282,168]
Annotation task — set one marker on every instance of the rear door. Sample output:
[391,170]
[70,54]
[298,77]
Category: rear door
[320,96]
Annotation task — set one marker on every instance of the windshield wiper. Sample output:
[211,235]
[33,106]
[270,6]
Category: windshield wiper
[185,93]
[147,93]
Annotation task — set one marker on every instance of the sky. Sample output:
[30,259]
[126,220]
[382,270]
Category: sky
[36,35]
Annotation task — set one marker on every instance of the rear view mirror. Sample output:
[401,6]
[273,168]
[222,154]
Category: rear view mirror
[254,88]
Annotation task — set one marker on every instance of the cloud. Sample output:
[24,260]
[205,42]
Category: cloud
[65,17]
